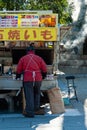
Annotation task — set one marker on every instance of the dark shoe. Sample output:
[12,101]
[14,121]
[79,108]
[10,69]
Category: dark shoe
[27,115]
[30,116]
[40,112]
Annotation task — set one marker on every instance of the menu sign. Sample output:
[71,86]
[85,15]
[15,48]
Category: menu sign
[8,21]
[30,20]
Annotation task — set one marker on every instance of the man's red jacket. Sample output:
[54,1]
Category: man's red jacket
[32,66]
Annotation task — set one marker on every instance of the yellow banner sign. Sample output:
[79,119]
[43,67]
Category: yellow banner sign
[28,34]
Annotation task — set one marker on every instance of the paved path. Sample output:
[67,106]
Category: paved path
[74,118]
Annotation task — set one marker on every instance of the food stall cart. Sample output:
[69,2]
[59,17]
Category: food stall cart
[18,29]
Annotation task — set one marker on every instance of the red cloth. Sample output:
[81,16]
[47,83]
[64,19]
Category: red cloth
[31,63]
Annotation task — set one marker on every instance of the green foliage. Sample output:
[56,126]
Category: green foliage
[60,7]
[12,4]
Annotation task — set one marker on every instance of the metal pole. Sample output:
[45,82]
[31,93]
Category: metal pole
[58,48]
[57,52]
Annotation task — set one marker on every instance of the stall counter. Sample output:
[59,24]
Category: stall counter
[7,83]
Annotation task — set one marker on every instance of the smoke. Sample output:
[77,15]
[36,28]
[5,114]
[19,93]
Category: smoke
[78,32]
[76,10]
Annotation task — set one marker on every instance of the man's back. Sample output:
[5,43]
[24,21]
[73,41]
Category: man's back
[29,64]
